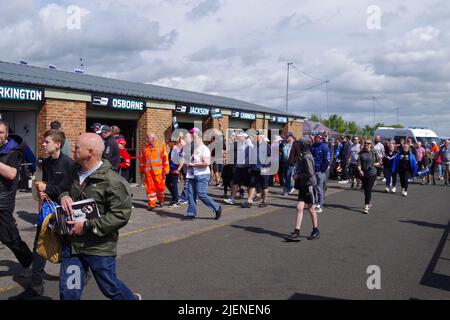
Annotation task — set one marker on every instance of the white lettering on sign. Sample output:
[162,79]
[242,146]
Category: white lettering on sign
[199,111]
[20,94]
[127,104]
[249,116]
[282,119]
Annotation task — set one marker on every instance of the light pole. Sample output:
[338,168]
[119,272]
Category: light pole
[373,100]
[328,105]
[287,84]
[398,115]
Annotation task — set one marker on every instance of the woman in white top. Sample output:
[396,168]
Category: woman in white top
[198,176]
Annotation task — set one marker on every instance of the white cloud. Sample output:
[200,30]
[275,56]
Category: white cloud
[240,49]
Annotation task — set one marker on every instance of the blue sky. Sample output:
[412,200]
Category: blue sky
[240,49]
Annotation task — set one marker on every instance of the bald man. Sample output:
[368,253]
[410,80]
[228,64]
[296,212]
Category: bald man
[154,165]
[92,244]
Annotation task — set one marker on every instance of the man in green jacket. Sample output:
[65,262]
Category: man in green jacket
[92,244]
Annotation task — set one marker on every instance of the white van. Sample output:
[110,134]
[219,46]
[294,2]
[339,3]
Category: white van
[424,135]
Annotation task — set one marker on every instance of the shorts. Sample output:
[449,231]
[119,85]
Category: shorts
[256,178]
[217,167]
[241,176]
[306,194]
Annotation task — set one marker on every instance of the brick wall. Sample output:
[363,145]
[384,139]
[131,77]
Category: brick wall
[157,121]
[295,127]
[209,123]
[71,114]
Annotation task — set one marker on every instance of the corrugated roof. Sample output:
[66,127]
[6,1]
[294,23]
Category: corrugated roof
[32,75]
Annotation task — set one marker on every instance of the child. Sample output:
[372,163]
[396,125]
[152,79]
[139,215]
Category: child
[125,159]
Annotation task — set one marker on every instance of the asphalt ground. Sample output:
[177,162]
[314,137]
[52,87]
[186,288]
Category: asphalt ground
[244,255]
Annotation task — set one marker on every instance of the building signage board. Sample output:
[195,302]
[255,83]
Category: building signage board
[216,113]
[278,119]
[119,103]
[192,110]
[21,93]
[243,115]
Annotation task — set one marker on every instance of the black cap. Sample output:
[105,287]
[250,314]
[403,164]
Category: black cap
[96,125]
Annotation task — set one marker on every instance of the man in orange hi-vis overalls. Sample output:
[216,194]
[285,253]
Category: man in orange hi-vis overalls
[153,165]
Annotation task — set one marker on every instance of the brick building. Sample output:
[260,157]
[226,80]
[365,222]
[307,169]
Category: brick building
[32,97]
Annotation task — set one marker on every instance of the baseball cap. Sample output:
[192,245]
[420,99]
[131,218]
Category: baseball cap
[96,125]
[121,141]
[105,127]
[194,130]
[319,135]
[289,134]
[433,142]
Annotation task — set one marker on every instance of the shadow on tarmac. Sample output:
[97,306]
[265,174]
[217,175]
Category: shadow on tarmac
[430,277]
[27,216]
[264,231]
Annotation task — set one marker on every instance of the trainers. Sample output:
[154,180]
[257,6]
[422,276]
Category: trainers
[138,296]
[293,237]
[229,201]
[182,202]
[386,189]
[404,193]
[262,205]
[218,213]
[394,190]
[319,209]
[247,205]
[174,205]
[343,181]
[292,191]
[314,235]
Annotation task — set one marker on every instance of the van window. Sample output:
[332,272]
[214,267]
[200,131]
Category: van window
[427,141]
[398,138]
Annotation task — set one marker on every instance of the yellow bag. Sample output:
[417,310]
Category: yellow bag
[49,243]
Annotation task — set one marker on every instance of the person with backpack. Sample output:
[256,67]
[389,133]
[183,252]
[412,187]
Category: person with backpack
[305,180]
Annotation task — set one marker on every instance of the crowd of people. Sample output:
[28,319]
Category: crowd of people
[100,170]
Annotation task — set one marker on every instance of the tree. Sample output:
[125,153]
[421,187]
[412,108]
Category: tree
[352,127]
[336,123]
[314,118]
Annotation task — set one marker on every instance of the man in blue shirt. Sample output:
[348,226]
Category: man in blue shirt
[321,155]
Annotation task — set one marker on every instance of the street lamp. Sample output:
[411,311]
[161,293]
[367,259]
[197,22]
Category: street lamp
[287,84]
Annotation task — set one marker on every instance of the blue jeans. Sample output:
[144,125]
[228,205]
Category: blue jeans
[199,186]
[287,175]
[320,187]
[72,276]
[184,196]
[390,176]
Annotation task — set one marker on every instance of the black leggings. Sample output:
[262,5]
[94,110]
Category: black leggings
[404,176]
[367,184]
